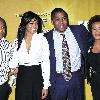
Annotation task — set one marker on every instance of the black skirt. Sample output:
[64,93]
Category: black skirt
[29,83]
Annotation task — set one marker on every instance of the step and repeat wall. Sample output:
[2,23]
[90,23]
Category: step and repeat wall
[78,11]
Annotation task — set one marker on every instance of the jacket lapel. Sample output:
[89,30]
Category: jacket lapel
[78,36]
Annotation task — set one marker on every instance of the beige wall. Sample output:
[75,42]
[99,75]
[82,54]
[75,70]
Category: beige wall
[77,10]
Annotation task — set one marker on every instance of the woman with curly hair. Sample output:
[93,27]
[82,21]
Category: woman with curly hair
[93,61]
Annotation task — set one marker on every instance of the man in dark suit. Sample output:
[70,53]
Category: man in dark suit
[76,37]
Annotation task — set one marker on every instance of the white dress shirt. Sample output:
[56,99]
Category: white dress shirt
[74,50]
[38,54]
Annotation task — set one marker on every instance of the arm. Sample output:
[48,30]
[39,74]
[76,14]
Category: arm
[88,70]
[45,64]
[13,63]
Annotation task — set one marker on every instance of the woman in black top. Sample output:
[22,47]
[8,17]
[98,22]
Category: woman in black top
[93,61]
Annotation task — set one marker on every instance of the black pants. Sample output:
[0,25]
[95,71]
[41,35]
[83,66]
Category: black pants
[5,91]
[29,83]
[95,86]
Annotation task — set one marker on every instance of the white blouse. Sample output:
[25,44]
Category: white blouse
[38,54]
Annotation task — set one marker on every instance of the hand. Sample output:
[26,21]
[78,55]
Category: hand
[44,93]
[14,71]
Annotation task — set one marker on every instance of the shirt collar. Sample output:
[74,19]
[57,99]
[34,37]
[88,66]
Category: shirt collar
[1,40]
[66,31]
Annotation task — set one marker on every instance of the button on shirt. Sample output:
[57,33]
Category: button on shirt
[38,54]
[4,59]
[74,50]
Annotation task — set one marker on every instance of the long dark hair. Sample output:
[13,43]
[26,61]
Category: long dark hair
[26,18]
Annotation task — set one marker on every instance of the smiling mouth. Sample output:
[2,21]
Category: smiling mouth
[97,34]
[33,29]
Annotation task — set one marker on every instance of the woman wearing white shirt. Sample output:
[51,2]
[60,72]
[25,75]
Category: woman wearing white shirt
[32,59]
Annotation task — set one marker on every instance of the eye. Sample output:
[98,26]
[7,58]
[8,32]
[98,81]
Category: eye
[33,22]
[93,28]
[2,27]
[99,28]
[57,19]
[64,18]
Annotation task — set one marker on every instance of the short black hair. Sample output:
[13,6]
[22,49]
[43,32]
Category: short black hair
[92,20]
[57,10]
[5,25]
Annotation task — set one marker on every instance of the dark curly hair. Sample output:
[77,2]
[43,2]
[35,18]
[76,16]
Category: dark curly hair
[26,18]
[92,20]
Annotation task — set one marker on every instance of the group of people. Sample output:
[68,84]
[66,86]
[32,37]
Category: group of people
[53,65]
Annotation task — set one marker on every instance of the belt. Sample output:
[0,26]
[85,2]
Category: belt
[59,74]
[76,71]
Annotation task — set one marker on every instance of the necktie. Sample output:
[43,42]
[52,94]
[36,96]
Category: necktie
[66,60]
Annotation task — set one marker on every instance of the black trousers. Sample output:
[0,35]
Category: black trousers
[5,91]
[29,83]
[95,86]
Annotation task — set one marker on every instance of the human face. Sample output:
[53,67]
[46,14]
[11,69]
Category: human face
[60,22]
[96,30]
[2,29]
[32,26]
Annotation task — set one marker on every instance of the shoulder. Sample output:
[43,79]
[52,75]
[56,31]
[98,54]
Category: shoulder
[40,37]
[79,29]
[5,42]
[14,44]
[81,26]
[48,33]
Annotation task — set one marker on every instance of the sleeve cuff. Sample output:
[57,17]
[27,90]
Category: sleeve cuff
[46,86]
